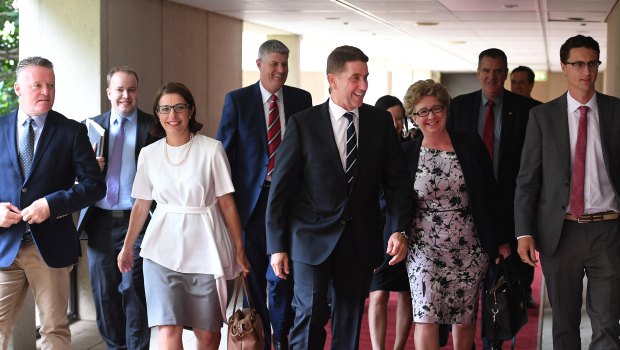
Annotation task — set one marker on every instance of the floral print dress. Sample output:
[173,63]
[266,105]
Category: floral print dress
[445,263]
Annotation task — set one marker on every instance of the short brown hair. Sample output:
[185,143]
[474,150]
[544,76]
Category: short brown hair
[125,69]
[423,88]
[338,58]
[174,88]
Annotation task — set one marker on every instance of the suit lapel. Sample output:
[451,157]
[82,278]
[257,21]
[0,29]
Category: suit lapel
[11,140]
[507,125]
[363,140]
[105,123]
[605,116]
[142,132]
[258,117]
[561,134]
[326,129]
[44,140]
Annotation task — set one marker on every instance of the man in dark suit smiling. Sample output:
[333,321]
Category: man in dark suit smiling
[323,210]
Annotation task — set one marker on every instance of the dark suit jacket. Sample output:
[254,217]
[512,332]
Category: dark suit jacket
[143,138]
[243,133]
[62,157]
[543,185]
[480,182]
[464,113]
[309,205]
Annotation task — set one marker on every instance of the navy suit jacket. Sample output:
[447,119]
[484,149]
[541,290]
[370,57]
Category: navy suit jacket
[309,205]
[64,171]
[243,133]
[143,138]
[463,115]
[480,183]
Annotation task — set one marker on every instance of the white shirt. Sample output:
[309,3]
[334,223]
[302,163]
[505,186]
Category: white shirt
[339,125]
[598,193]
[266,96]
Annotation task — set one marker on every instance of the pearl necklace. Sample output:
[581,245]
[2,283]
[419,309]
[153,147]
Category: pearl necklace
[189,145]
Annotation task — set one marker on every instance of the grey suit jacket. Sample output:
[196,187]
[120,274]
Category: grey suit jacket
[543,184]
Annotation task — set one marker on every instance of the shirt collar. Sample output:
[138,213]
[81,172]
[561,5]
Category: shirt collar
[337,112]
[497,100]
[39,120]
[573,104]
[266,95]
[115,116]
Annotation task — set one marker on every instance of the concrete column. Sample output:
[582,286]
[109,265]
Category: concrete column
[294,68]
[612,72]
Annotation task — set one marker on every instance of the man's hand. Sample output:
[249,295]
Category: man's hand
[37,212]
[279,263]
[526,250]
[397,247]
[9,215]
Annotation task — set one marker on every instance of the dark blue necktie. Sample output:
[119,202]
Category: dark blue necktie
[26,147]
[351,149]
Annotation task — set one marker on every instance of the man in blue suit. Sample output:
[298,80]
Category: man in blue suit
[47,171]
[253,121]
[323,215]
[119,298]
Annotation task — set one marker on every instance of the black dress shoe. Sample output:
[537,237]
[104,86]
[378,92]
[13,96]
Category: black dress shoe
[280,344]
[529,301]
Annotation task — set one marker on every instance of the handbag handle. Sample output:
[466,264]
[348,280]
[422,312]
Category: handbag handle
[242,282]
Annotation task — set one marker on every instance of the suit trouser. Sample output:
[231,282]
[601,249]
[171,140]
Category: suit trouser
[119,298]
[350,276]
[593,249]
[279,315]
[50,287]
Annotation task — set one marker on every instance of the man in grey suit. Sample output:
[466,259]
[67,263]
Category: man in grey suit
[567,203]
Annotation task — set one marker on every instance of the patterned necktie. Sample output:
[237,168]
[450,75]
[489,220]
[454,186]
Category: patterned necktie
[489,128]
[274,132]
[577,206]
[114,165]
[351,149]
[26,147]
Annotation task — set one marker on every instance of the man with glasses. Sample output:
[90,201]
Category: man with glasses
[253,122]
[119,297]
[567,203]
[500,118]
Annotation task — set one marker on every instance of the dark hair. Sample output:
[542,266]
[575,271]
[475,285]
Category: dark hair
[125,69]
[493,53]
[32,61]
[528,70]
[174,88]
[388,101]
[338,58]
[272,46]
[575,42]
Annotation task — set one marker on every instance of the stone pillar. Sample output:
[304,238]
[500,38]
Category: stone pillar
[294,69]
[612,72]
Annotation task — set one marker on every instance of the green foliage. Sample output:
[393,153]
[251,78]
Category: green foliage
[9,54]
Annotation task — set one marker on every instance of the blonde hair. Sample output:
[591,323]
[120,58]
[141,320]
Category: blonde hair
[423,88]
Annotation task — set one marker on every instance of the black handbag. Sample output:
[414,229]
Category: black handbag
[505,312]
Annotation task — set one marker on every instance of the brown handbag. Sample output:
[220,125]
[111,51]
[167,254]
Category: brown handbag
[245,329]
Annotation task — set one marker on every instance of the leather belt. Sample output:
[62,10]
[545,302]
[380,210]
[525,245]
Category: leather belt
[27,237]
[596,217]
[115,214]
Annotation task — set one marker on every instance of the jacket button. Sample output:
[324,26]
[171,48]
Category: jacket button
[24,190]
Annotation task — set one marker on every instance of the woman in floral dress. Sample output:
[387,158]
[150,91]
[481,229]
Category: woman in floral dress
[454,233]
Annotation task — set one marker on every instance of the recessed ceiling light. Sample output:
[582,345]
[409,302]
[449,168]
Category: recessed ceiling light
[426,24]
[332,18]
[510,6]
[575,18]
[457,42]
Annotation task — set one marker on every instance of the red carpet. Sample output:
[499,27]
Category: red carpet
[526,339]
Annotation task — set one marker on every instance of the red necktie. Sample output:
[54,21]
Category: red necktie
[489,128]
[577,206]
[273,133]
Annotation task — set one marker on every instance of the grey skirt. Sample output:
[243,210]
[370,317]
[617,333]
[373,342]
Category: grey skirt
[186,299]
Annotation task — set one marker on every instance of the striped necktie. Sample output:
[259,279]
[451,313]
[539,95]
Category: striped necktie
[351,149]
[273,134]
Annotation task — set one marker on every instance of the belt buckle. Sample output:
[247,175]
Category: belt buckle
[117,214]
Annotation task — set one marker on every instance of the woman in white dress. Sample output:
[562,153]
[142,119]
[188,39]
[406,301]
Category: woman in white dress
[192,248]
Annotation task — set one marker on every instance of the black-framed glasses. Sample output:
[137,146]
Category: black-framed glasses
[178,108]
[424,112]
[582,64]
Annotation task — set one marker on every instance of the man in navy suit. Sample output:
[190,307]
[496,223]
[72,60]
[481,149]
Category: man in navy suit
[119,297]
[47,171]
[323,213]
[504,116]
[244,131]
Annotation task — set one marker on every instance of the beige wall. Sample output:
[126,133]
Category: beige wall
[612,76]
[555,86]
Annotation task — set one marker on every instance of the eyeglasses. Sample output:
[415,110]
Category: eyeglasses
[581,64]
[425,112]
[178,108]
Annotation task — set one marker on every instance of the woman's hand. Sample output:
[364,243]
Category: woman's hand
[242,261]
[125,260]
[504,251]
